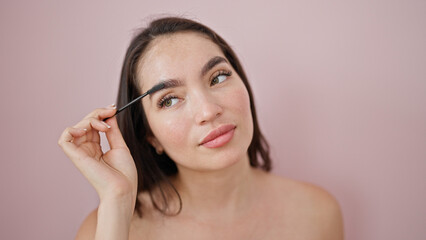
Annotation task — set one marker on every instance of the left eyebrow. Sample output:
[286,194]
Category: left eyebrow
[211,63]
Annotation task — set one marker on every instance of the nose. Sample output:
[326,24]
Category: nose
[207,108]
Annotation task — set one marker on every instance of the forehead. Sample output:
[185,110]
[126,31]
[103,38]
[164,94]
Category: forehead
[174,55]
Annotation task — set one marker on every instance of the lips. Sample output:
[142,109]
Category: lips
[219,136]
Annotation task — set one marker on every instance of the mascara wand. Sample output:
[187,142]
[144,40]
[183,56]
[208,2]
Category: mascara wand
[150,91]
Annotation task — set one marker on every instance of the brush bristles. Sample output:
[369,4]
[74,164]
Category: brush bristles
[156,88]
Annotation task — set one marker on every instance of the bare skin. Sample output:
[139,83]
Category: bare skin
[279,209]
[283,209]
[223,197]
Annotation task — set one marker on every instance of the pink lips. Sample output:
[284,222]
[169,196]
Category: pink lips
[219,136]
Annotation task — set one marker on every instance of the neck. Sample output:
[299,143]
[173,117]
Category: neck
[212,193]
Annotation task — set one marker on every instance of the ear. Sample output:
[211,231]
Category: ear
[156,144]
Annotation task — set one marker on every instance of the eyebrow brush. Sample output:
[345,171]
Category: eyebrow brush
[150,91]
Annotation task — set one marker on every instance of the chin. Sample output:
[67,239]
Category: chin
[234,153]
[222,160]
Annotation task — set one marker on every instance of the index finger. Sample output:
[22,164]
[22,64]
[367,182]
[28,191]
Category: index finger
[66,140]
[102,113]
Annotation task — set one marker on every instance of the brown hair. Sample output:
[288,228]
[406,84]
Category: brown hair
[153,169]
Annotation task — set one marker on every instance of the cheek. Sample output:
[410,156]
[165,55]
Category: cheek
[171,132]
[241,103]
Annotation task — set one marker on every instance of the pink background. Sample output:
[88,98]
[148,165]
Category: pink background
[340,90]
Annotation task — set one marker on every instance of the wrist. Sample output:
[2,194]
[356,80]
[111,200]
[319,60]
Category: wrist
[118,202]
[118,195]
[114,218]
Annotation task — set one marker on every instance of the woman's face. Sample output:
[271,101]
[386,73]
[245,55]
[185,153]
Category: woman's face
[203,121]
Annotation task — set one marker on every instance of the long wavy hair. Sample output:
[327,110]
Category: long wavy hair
[153,169]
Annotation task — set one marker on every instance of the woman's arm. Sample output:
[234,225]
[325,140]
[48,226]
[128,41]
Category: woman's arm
[112,174]
[111,220]
[326,214]
[114,217]
[332,220]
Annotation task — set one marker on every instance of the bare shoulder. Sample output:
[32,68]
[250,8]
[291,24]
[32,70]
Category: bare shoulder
[304,193]
[307,205]
[88,227]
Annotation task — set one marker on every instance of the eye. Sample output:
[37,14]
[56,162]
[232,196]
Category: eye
[220,77]
[167,101]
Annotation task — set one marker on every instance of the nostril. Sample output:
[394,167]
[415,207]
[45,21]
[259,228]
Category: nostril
[208,112]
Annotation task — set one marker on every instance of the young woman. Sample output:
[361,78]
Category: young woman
[189,161]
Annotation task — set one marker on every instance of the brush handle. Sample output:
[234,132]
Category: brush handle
[127,105]
[130,103]
[152,90]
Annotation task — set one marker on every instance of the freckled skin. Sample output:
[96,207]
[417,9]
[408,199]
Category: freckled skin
[201,107]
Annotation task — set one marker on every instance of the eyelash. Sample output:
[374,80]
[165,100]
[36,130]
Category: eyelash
[166,98]
[220,73]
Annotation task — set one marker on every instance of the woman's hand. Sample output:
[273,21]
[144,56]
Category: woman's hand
[113,173]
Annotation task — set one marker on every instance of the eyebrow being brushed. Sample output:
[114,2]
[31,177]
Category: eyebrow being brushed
[169,83]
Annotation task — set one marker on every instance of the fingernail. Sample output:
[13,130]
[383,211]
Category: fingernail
[108,126]
[85,129]
[112,106]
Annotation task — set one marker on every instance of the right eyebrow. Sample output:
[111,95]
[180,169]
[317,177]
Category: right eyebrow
[169,83]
